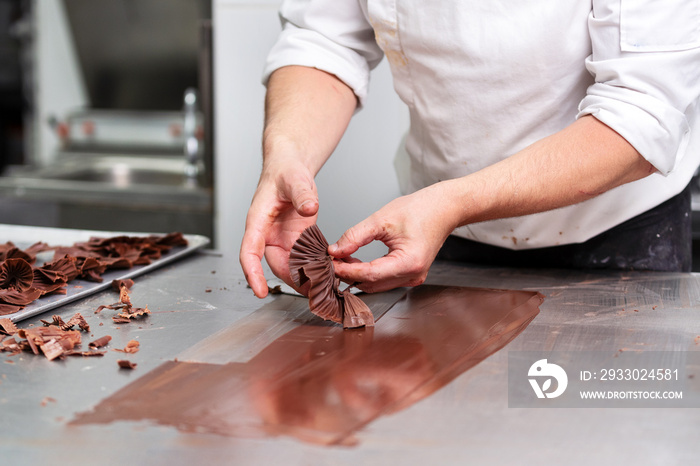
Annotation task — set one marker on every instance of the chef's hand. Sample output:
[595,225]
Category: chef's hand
[413,227]
[284,204]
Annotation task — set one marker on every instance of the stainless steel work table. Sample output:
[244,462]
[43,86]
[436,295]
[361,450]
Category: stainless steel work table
[465,422]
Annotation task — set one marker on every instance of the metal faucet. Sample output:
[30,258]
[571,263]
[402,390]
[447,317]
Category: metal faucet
[192,151]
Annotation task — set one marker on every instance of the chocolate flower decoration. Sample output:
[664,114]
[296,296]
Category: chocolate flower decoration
[309,262]
[16,274]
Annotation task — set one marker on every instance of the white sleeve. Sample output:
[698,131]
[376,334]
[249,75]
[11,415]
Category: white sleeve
[646,62]
[331,35]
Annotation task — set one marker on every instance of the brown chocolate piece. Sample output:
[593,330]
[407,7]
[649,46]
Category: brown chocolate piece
[124,364]
[64,266]
[310,263]
[100,342]
[78,320]
[134,312]
[55,320]
[131,347]
[19,298]
[10,251]
[120,320]
[7,309]
[84,353]
[127,283]
[52,341]
[7,327]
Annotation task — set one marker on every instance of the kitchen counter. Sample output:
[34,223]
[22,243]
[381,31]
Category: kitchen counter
[467,421]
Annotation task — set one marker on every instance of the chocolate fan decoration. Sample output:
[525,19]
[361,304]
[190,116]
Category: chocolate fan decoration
[309,262]
[16,274]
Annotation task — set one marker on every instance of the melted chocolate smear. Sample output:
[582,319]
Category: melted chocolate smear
[321,384]
[309,262]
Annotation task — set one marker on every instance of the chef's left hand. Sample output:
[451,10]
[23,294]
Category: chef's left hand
[413,227]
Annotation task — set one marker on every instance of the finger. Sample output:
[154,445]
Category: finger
[251,254]
[381,274]
[304,197]
[353,239]
[381,286]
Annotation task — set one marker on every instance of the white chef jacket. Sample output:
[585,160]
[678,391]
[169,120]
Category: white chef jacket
[484,79]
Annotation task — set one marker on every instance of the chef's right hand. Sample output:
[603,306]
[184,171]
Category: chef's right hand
[285,203]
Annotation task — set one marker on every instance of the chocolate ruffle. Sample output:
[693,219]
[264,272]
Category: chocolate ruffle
[16,274]
[309,262]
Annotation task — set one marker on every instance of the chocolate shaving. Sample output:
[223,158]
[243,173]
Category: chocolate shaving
[113,307]
[120,320]
[51,341]
[21,284]
[10,345]
[128,311]
[7,327]
[310,263]
[134,312]
[85,353]
[55,320]
[124,297]
[127,283]
[77,319]
[124,364]
[100,342]
[131,347]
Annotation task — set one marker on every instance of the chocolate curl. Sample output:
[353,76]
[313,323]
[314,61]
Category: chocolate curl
[100,342]
[309,262]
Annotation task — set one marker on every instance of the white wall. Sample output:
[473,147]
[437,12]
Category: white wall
[59,86]
[358,179]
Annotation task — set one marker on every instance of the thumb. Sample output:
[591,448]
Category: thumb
[304,197]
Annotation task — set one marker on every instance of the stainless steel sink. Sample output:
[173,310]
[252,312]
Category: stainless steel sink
[118,172]
[135,193]
[123,178]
